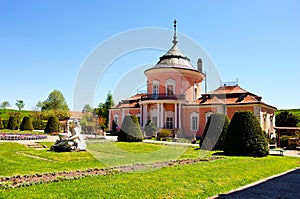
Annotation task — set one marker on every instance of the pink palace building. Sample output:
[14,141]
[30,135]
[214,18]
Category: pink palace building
[174,99]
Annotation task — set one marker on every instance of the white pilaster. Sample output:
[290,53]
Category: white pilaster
[158,118]
[180,116]
[161,115]
[175,115]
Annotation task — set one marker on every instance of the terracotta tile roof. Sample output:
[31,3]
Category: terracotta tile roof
[228,90]
[131,102]
[229,95]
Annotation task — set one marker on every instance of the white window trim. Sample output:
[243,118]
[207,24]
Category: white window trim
[118,119]
[155,83]
[195,115]
[171,82]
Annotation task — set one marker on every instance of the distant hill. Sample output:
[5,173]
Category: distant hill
[295,112]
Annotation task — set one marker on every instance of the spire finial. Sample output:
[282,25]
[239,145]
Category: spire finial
[175,37]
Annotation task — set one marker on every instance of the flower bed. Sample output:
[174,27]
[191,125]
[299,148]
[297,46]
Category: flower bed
[5,136]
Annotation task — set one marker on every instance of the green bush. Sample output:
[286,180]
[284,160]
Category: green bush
[245,136]
[1,124]
[215,132]
[284,140]
[26,124]
[52,125]
[163,133]
[130,130]
[150,129]
[12,123]
[39,124]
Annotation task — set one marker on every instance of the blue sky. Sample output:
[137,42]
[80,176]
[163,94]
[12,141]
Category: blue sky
[43,44]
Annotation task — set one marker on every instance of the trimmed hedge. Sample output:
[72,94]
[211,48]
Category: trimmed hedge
[26,124]
[1,124]
[245,136]
[52,125]
[215,132]
[12,123]
[130,130]
[150,129]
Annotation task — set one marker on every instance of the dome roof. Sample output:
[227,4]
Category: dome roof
[174,58]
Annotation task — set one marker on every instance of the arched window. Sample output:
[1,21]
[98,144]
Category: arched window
[194,121]
[155,87]
[170,87]
[195,92]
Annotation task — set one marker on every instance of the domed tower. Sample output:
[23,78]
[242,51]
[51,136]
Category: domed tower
[173,81]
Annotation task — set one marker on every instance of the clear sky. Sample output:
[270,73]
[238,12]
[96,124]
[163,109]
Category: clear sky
[43,44]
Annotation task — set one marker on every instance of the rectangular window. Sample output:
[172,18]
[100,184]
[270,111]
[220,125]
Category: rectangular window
[170,90]
[155,89]
[194,123]
[169,123]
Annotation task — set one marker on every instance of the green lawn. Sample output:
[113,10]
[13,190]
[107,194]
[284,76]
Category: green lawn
[198,180]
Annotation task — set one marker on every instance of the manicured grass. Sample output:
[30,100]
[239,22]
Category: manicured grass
[199,180]
[14,160]
[17,159]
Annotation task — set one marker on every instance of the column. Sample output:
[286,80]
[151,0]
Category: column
[141,115]
[161,115]
[179,116]
[145,114]
[123,114]
[158,118]
[175,115]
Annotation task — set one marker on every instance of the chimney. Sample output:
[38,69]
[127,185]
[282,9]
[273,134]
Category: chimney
[199,64]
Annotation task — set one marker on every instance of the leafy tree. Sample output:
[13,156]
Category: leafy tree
[26,124]
[52,125]
[103,109]
[55,101]
[12,123]
[4,105]
[245,136]
[87,109]
[1,124]
[39,105]
[20,104]
[286,119]
[130,130]
[215,132]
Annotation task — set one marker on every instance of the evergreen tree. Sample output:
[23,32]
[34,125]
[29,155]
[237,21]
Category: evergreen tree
[245,136]
[26,124]
[215,132]
[103,109]
[130,130]
[150,128]
[12,123]
[1,124]
[52,125]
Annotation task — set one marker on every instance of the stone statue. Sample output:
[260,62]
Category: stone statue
[71,140]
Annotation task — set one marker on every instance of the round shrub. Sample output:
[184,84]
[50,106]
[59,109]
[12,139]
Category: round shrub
[164,133]
[215,132]
[52,125]
[130,130]
[245,136]
[12,123]
[26,124]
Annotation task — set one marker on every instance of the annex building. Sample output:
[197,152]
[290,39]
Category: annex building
[174,98]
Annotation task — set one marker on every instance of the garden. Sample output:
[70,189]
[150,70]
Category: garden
[120,169]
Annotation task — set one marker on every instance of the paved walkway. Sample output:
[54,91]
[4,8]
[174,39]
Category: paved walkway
[285,185]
